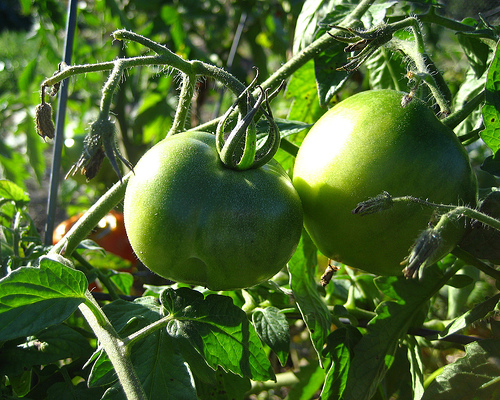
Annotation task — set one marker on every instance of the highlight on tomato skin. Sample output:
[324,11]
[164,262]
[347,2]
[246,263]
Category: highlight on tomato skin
[369,144]
[109,234]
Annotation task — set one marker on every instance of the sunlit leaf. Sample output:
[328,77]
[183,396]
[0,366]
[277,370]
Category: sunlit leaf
[311,305]
[491,113]
[218,330]
[34,298]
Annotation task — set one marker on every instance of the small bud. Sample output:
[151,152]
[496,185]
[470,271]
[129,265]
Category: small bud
[375,204]
[43,121]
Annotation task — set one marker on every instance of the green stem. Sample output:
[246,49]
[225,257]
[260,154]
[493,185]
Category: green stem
[471,260]
[147,330]
[114,347]
[282,380]
[110,87]
[184,105]
[108,283]
[81,229]
[432,17]
[166,54]
[458,116]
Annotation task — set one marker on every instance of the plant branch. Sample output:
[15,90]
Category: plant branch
[114,348]
[457,117]
[475,262]
[147,330]
[184,105]
[91,218]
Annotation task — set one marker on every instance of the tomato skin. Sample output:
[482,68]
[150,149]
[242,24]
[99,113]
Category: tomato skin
[363,146]
[192,220]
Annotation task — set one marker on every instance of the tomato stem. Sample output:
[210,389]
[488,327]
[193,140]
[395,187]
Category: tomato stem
[482,266]
[114,347]
[458,116]
[184,105]
[91,218]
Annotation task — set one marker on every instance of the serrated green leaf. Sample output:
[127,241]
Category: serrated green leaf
[158,363]
[311,378]
[21,384]
[10,191]
[375,352]
[329,80]
[124,281]
[312,307]
[386,70]
[472,377]
[339,347]
[55,343]
[224,386]
[307,22]
[272,327]
[473,315]
[218,330]
[491,109]
[302,88]
[34,298]
[477,52]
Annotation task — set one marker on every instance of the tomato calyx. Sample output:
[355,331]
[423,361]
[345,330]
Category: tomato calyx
[99,143]
[238,149]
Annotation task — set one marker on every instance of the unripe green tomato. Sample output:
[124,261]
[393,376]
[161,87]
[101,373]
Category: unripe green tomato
[368,144]
[190,219]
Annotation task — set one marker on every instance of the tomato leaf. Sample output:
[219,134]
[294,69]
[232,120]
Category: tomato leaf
[10,191]
[416,367]
[158,362]
[329,80]
[374,353]
[272,327]
[55,343]
[305,291]
[218,330]
[307,22]
[476,51]
[33,298]
[340,347]
[302,89]
[386,70]
[474,376]
[473,315]
[491,113]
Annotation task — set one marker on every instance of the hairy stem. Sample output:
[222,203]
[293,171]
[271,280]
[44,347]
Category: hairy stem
[91,218]
[184,105]
[475,262]
[114,347]
[457,117]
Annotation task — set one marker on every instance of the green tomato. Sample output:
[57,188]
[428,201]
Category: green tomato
[191,220]
[368,144]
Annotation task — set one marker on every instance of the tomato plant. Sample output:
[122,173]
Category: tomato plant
[368,144]
[192,220]
[401,154]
